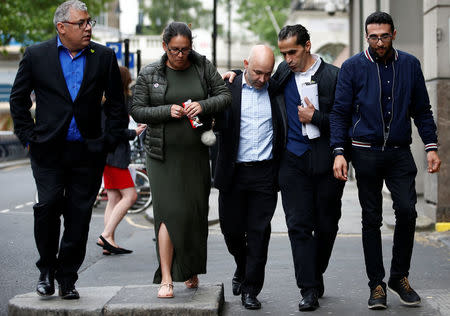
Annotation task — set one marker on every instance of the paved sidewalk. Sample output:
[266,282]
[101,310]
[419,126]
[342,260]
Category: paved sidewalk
[345,280]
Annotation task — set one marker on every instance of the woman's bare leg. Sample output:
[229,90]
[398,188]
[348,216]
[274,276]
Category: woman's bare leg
[166,256]
[121,201]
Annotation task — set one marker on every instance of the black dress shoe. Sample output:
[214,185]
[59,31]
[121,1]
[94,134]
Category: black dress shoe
[309,302]
[68,292]
[46,284]
[250,301]
[236,285]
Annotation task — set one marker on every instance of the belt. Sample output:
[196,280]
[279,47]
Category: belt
[254,163]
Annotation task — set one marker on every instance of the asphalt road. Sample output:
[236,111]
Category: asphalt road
[18,254]
[346,283]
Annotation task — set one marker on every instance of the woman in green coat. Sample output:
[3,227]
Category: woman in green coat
[177,160]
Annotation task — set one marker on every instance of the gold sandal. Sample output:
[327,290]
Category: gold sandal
[169,290]
[192,283]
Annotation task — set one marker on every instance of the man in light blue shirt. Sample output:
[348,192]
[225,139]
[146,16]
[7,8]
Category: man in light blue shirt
[247,164]
[255,138]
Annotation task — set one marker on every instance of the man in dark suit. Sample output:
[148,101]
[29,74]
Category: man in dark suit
[69,75]
[311,195]
[246,172]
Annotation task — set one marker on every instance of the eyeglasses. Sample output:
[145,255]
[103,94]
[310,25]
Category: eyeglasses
[176,51]
[83,23]
[384,38]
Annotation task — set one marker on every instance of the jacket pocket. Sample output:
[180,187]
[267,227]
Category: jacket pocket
[358,115]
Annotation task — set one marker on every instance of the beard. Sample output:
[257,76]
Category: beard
[387,52]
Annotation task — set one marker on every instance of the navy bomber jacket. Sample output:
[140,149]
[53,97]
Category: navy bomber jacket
[358,96]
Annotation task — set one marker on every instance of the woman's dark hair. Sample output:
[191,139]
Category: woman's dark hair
[175,29]
[294,30]
[380,18]
[126,80]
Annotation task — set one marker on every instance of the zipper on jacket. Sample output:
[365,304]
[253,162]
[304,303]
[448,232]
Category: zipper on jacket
[381,109]
[359,119]
[386,134]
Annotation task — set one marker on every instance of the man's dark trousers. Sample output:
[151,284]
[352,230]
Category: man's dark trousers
[245,213]
[397,168]
[67,185]
[312,203]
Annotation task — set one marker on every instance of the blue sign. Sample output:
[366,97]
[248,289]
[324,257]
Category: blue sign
[117,47]
[131,61]
[5,91]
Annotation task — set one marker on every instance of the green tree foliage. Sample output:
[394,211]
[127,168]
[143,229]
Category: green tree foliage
[162,12]
[30,21]
[255,17]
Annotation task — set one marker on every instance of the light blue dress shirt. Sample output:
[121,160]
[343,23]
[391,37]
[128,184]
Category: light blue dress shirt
[73,70]
[256,130]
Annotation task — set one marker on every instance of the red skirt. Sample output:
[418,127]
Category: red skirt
[116,178]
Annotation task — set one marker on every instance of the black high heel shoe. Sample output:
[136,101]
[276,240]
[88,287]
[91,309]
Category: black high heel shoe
[115,250]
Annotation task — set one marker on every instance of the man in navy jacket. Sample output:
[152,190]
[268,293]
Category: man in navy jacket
[377,94]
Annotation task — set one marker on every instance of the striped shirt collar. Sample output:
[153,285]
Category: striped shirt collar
[371,58]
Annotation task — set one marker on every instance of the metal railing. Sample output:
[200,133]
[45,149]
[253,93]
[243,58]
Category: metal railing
[10,147]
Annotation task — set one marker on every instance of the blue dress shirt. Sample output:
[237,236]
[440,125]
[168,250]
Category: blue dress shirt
[296,143]
[73,70]
[256,130]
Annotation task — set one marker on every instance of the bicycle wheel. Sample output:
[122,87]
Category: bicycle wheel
[101,196]
[144,194]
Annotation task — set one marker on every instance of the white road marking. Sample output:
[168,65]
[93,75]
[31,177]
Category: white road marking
[4,211]
[29,203]
[19,206]
[130,221]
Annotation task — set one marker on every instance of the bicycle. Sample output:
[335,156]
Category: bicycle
[142,185]
[140,178]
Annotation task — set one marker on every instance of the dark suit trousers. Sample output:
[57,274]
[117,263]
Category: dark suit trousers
[245,213]
[312,205]
[67,186]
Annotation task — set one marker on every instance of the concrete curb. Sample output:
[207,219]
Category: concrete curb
[14,163]
[443,226]
[134,300]
[423,223]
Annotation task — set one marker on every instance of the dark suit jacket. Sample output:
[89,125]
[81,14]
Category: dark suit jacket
[40,70]
[228,130]
[326,78]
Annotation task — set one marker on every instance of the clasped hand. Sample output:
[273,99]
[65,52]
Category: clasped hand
[305,114]
[193,109]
